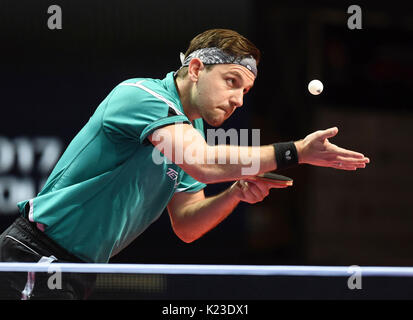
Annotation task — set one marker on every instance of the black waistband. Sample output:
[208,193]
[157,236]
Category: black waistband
[41,240]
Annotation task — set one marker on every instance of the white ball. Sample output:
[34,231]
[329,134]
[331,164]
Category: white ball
[315,87]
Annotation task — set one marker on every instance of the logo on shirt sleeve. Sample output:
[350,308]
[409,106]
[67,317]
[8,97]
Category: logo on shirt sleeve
[171,173]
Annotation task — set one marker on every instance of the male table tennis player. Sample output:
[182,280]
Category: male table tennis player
[106,188]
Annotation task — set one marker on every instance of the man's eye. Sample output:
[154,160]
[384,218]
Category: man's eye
[230,81]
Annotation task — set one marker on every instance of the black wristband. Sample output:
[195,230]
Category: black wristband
[286,155]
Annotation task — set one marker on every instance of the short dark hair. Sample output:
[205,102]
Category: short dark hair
[229,41]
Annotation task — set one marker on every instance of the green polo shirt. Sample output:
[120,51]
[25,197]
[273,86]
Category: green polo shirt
[106,188]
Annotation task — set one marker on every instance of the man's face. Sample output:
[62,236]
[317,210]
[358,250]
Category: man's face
[220,90]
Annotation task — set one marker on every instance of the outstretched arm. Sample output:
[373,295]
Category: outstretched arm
[192,214]
[185,146]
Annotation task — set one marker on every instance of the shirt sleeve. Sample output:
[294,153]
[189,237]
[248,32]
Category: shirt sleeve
[189,184]
[134,112]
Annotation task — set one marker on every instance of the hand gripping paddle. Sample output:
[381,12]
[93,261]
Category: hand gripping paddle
[276,179]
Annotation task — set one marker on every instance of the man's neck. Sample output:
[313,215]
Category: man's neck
[183,86]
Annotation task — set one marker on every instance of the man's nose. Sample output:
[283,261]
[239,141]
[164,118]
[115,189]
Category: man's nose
[237,99]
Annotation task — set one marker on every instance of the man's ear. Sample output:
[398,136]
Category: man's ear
[194,68]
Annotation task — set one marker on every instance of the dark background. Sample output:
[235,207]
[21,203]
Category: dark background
[52,81]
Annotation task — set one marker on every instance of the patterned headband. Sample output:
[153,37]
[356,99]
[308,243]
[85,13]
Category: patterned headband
[217,56]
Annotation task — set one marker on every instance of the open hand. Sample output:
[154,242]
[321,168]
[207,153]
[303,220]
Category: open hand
[317,150]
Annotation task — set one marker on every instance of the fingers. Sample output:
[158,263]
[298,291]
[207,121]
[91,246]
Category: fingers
[347,153]
[277,186]
[344,165]
[328,133]
[258,189]
[253,191]
[348,164]
[348,160]
[268,183]
[343,159]
[348,167]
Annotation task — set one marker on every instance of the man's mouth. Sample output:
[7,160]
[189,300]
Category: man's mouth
[223,109]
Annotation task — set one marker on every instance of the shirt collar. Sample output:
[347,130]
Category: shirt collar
[169,84]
